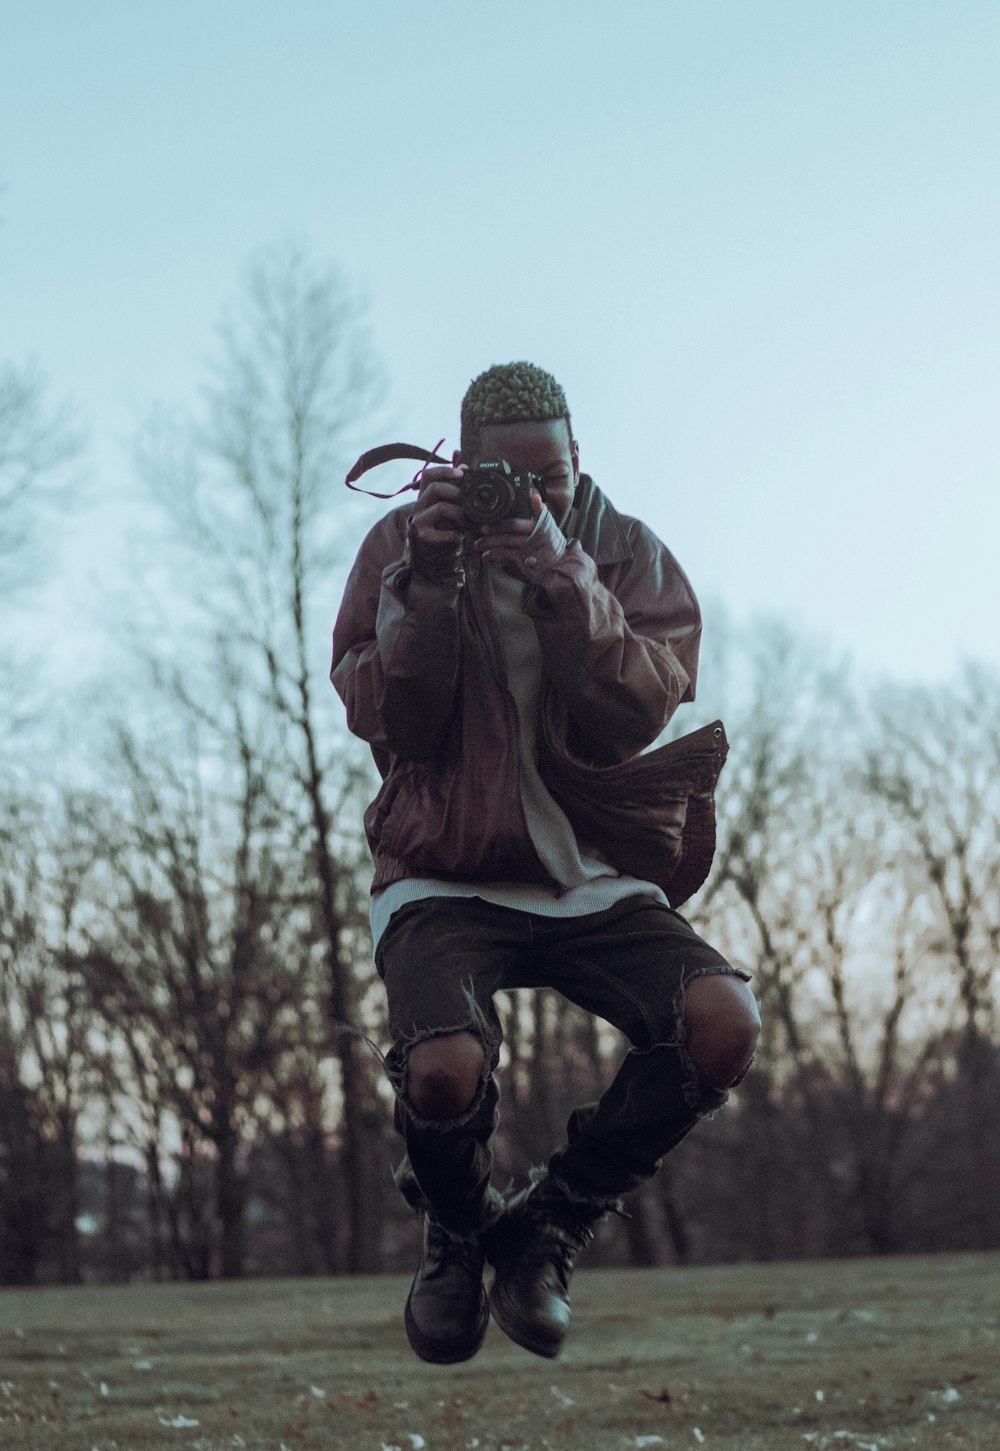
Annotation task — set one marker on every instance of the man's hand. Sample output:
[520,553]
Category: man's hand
[437,514]
[434,530]
[531,545]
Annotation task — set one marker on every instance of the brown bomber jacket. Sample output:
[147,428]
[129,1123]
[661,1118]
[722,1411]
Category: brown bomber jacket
[420,670]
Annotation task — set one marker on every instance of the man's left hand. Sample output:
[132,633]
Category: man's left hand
[531,545]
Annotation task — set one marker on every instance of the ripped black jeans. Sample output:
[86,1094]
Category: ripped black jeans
[443,958]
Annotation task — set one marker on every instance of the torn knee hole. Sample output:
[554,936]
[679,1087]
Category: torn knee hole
[725,1057]
[444,1074]
[722,1025]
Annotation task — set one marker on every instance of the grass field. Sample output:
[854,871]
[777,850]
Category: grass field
[849,1354]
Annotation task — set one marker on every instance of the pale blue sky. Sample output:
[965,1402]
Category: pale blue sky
[756,240]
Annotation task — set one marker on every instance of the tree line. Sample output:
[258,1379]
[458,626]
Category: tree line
[190,1019]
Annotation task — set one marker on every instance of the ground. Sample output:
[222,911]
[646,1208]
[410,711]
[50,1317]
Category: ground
[847,1355]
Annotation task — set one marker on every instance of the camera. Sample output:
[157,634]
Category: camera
[493,491]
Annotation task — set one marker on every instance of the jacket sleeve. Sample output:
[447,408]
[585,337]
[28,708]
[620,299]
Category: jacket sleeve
[396,648]
[622,653]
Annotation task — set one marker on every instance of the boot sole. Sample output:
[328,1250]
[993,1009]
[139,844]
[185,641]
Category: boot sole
[522,1332]
[437,1354]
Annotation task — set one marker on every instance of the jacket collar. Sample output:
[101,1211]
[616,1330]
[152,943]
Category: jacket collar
[597,524]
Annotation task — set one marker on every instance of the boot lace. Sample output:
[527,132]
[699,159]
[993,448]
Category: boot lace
[556,1238]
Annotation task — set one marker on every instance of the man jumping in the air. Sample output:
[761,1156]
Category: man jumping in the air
[486,664]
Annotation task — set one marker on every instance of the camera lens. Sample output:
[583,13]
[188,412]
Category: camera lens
[486,498]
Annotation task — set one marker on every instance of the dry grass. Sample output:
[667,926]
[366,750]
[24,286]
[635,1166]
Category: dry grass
[828,1356]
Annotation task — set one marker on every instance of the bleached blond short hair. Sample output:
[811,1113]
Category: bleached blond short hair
[510,393]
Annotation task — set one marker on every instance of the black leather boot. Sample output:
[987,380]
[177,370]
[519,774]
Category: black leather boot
[533,1248]
[447,1311]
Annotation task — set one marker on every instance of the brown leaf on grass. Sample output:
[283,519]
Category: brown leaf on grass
[662,1395]
[969,1376]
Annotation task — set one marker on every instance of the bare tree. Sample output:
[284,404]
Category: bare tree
[201,970]
[37,441]
[937,770]
[255,497]
[47,1026]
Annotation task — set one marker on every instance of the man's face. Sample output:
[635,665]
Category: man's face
[543,448]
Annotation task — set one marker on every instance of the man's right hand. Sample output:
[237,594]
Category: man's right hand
[437,515]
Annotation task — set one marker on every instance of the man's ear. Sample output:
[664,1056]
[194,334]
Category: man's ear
[574,453]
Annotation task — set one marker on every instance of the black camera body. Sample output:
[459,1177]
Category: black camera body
[493,491]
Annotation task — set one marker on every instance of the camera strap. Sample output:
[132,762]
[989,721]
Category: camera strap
[386,453]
